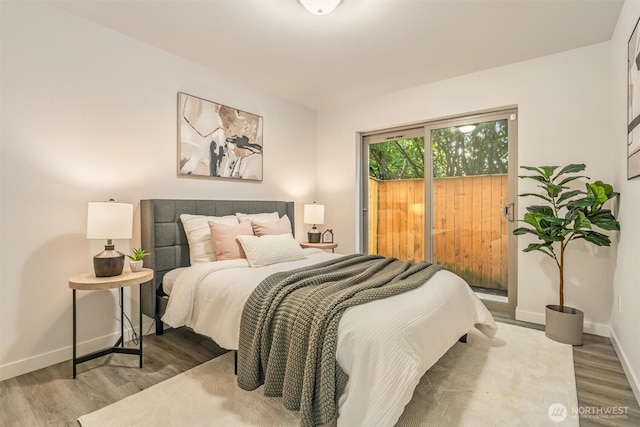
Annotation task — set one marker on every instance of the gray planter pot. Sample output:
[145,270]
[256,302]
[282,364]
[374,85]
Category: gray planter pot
[565,326]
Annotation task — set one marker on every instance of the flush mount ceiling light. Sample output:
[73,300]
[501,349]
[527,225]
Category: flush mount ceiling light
[320,7]
[467,128]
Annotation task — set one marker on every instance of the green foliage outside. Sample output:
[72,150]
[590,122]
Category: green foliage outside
[482,151]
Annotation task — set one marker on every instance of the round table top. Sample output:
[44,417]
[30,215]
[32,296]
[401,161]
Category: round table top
[319,245]
[89,281]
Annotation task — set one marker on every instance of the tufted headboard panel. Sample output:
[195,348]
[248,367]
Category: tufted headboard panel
[164,238]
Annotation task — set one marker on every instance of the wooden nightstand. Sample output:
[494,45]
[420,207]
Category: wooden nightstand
[323,246]
[89,282]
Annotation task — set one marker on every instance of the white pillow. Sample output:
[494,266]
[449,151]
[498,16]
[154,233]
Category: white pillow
[260,217]
[271,249]
[199,235]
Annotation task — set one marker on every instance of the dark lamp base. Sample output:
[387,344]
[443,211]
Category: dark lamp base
[313,236]
[108,263]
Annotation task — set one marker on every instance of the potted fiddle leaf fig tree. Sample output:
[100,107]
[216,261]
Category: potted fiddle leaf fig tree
[561,216]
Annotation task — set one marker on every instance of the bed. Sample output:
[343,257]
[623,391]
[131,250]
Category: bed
[384,346]
[164,237]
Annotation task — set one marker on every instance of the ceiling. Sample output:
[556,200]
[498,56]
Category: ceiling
[364,48]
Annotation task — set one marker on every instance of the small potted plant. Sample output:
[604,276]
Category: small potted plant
[562,217]
[135,260]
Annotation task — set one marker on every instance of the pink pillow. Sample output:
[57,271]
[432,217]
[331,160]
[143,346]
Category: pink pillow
[283,226]
[223,237]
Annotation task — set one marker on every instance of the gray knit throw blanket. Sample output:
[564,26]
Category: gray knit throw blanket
[289,327]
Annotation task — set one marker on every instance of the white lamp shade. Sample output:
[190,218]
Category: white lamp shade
[320,7]
[109,220]
[314,214]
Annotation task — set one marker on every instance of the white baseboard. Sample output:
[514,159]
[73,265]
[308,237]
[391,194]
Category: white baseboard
[624,361]
[63,354]
[539,318]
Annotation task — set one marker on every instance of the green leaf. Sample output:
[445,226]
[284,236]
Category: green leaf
[553,237]
[552,220]
[581,222]
[552,189]
[534,220]
[572,168]
[605,220]
[138,254]
[540,171]
[536,178]
[565,232]
[598,192]
[542,210]
[545,249]
[548,170]
[594,237]
[522,230]
[568,195]
[572,178]
[531,168]
[580,203]
[608,189]
[571,215]
[536,195]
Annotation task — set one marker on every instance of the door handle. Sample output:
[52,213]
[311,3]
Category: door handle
[508,211]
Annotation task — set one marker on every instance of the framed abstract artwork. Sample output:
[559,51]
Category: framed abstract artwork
[217,141]
[633,105]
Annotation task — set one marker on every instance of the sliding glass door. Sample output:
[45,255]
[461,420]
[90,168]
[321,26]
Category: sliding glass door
[395,187]
[443,192]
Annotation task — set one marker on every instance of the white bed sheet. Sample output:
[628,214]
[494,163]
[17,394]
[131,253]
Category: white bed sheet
[170,278]
[385,346]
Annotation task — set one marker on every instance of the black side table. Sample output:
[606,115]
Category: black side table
[89,282]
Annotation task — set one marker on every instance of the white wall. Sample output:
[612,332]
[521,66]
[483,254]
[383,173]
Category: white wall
[564,105]
[89,114]
[625,323]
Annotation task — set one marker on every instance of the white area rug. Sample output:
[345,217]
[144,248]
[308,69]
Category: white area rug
[511,380]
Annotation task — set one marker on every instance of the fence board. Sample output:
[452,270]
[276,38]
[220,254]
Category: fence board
[418,224]
[466,219]
[372,211]
[476,230]
[411,219]
[469,231]
[450,225]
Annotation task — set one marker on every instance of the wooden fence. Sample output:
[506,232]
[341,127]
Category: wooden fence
[469,231]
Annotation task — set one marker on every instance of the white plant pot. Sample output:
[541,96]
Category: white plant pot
[135,265]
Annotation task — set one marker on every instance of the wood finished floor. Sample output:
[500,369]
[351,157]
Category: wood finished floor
[50,397]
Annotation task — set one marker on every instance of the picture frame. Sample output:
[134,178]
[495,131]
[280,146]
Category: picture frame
[218,141]
[327,236]
[633,104]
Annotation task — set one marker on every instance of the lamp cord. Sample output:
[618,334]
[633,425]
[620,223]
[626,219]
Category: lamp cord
[135,338]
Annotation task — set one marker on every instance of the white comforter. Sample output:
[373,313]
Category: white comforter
[384,346]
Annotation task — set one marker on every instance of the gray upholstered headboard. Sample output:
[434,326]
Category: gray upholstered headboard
[164,237]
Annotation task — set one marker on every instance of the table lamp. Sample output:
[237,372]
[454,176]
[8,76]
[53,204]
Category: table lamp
[109,220]
[314,214]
